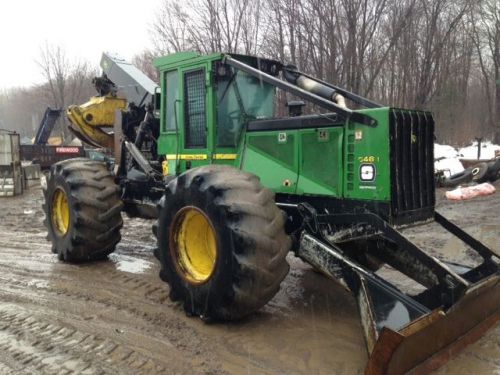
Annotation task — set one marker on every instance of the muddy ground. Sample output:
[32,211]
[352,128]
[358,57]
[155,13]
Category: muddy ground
[115,316]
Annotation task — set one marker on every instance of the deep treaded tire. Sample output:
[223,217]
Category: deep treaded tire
[249,237]
[480,172]
[458,178]
[91,227]
[493,170]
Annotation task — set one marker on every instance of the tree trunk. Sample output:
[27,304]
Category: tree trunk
[497,110]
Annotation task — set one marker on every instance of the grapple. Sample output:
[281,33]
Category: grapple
[89,121]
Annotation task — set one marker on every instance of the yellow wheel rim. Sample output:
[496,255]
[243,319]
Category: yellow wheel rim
[60,212]
[194,245]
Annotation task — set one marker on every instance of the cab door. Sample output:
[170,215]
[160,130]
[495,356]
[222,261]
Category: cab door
[193,114]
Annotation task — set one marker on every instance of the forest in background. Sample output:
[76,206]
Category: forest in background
[438,55]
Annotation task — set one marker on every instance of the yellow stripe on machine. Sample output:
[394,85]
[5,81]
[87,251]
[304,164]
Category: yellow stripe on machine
[201,156]
[187,157]
[225,156]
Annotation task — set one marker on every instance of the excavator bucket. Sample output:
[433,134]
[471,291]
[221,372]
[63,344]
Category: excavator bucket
[404,332]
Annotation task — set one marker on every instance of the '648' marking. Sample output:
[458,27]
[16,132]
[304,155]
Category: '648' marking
[368,159]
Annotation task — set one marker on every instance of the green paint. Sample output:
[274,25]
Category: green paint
[231,101]
[326,160]
[372,148]
[320,156]
[269,144]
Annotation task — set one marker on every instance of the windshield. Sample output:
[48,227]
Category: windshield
[240,98]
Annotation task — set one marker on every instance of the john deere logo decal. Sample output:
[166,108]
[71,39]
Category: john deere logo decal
[413,138]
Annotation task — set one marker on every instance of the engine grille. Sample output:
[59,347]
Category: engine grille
[412,164]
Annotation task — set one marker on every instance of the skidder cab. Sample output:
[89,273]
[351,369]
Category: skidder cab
[234,187]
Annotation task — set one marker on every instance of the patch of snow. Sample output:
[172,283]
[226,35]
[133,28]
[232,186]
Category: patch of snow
[130,264]
[449,162]
[487,150]
[444,151]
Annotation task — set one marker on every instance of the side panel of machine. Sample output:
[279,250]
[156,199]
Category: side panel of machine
[305,161]
[321,161]
[48,155]
[367,159]
[273,156]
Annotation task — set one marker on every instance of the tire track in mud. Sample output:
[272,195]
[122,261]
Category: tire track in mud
[140,303]
[139,345]
[117,298]
[96,318]
[40,344]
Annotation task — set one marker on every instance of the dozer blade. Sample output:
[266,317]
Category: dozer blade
[430,341]
[413,333]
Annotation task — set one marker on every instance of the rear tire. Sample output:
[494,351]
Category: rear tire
[246,230]
[480,172]
[458,178]
[493,170]
[82,210]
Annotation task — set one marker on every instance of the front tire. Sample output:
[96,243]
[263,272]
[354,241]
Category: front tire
[221,242]
[82,210]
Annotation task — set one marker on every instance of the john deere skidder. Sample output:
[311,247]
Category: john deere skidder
[235,188]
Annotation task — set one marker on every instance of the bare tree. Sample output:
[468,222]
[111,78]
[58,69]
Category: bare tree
[426,54]
[486,35]
[144,62]
[62,76]
[170,30]
[207,26]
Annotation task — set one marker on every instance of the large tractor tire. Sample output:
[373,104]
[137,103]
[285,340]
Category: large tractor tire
[493,170]
[82,210]
[458,178]
[221,242]
[480,172]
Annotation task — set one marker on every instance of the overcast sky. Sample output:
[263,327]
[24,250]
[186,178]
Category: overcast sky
[84,28]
